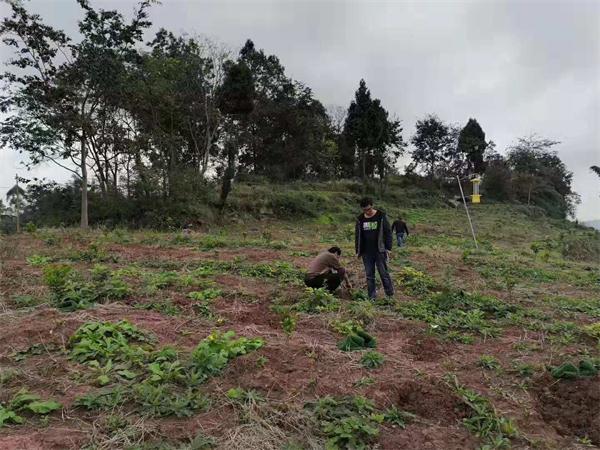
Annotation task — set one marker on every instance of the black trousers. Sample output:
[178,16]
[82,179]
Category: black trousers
[330,280]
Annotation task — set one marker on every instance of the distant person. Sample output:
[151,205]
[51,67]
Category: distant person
[401,230]
[327,271]
[373,242]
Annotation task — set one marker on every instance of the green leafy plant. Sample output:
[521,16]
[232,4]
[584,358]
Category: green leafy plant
[347,422]
[458,313]
[206,295]
[414,282]
[568,371]
[372,360]
[484,420]
[24,401]
[70,292]
[288,323]
[214,352]
[317,301]
[488,362]
[246,397]
[397,417]
[38,260]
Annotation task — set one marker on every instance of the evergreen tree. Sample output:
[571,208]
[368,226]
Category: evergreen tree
[471,143]
[373,142]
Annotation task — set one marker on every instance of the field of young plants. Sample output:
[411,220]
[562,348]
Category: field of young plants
[116,339]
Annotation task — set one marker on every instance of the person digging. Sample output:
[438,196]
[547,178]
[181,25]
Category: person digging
[373,243]
[327,271]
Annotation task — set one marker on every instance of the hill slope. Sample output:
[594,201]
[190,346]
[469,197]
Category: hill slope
[464,347]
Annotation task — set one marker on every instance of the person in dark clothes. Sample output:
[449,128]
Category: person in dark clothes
[373,242]
[326,270]
[401,230]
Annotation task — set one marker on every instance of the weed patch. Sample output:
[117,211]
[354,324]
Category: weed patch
[484,421]
[459,315]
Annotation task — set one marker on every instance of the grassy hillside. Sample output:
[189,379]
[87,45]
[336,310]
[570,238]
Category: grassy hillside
[481,348]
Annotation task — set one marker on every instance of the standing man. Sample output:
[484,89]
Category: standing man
[373,242]
[326,270]
[399,227]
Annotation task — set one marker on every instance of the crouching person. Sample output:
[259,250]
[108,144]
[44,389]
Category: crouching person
[326,271]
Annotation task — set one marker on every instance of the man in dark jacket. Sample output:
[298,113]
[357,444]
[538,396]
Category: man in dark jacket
[373,242]
[401,230]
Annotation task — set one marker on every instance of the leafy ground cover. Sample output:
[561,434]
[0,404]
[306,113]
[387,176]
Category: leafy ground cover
[145,340]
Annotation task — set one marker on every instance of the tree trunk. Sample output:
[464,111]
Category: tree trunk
[84,183]
[228,175]
[364,172]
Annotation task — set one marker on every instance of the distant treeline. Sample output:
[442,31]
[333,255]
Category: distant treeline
[172,121]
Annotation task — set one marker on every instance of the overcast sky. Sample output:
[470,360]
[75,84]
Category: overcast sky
[518,67]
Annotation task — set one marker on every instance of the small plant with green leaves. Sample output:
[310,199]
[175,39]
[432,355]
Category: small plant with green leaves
[372,360]
[288,323]
[398,418]
[71,292]
[569,371]
[245,397]
[38,260]
[25,402]
[488,362]
[525,370]
[364,381]
[213,353]
[484,421]
[458,313]
[106,341]
[25,301]
[160,401]
[317,301]
[206,295]
[360,295]
[166,307]
[592,330]
[415,282]
[347,422]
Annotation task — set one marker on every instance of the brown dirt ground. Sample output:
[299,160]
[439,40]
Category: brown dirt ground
[299,367]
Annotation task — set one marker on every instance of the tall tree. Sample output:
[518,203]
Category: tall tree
[374,141]
[540,177]
[60,93]
[236,100]
[433,140]
[471,143]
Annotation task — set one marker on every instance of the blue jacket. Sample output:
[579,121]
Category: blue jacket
[384,238]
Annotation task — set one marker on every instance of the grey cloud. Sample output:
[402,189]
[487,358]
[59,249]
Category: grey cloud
[517,66]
